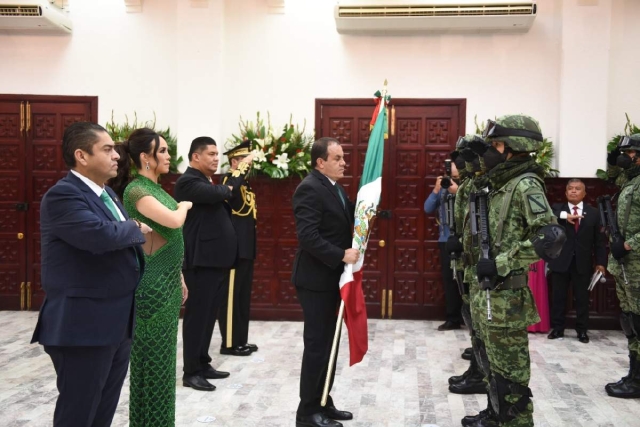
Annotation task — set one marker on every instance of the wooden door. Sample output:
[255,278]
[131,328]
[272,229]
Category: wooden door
[402,276]
[36,167]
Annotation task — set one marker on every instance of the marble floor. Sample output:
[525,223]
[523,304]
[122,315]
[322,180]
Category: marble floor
[401,382]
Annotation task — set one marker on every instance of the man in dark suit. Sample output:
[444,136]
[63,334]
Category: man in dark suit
[91,265]
[575,263]
[210,251]
[236,304]
[324,225]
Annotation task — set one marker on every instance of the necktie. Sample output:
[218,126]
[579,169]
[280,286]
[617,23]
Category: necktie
[344,205]
[110,205]
[576,224]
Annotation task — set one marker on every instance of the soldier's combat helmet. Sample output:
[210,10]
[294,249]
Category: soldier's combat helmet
[630,142]
[519,132]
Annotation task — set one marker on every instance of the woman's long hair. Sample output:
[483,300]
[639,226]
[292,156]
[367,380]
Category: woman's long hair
[140,141]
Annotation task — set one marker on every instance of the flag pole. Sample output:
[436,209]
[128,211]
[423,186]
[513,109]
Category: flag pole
[332,356]
[336,335]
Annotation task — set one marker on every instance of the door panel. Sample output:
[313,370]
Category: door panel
[402,265]
[31,129]
[12,192]
[49,120]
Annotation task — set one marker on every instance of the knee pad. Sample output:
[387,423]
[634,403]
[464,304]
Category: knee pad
[626,322]
[499,389]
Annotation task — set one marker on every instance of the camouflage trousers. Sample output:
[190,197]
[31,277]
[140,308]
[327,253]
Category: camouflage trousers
[629,297]
[508,352]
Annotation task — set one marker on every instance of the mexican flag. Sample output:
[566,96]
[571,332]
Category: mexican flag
[355,311]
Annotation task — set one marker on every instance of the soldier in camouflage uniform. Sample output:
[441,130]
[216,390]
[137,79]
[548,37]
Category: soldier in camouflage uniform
[520,234]
[626,251]
[471,381]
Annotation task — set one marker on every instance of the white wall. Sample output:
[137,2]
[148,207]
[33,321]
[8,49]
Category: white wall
[200,64]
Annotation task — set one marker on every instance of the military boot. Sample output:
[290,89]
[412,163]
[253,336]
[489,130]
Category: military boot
[486,416]
[473,367]
[626,377]
[629,388]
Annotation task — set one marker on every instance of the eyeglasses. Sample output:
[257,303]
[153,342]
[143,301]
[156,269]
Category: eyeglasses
[494,130]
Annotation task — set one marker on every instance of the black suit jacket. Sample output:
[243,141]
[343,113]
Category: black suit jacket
[588,241]
[209,237]
[91,266]
[324,229]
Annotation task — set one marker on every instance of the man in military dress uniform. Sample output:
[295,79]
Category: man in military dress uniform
[235,309]
[521,229]
[625,253]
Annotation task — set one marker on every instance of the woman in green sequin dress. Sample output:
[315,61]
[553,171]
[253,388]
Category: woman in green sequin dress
[161,291]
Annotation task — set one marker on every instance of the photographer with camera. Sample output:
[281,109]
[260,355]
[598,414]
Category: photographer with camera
[437,202]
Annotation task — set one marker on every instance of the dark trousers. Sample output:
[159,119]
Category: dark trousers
[452,297]
[89,383]
[241,305]
[580,283]
[320,310]
[206,290]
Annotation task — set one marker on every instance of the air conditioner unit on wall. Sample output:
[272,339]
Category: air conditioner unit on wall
[414,16]
[32,16]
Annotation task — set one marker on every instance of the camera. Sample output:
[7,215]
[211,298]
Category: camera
[445,182]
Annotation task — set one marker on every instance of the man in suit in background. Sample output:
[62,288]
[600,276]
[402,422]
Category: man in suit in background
[91,265]
[324,225]
[575,263]
[236,305]
[210,251]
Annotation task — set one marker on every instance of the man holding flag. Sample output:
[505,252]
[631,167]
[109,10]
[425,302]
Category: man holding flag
[328,265]
[324,223]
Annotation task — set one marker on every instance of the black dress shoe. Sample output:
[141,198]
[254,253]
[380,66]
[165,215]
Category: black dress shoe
[316,420]
[472,384]
[335,414]
[466,354]
[235,351]
[449,326]
[583,337]
[212,374]
[555,334]
[251,347]
[197,382]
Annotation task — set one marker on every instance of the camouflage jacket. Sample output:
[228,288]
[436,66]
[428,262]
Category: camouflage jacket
[630,229]
[527,212]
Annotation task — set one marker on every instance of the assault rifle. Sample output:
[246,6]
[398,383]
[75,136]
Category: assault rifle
[450,220]
[610,224]
[479,216]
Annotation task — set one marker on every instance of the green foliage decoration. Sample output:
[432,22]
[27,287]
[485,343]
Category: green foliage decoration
[278,154]
[120,132]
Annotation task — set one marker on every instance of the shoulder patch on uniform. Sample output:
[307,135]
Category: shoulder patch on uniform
[537,203]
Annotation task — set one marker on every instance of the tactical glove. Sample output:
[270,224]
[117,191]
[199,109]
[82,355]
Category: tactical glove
[617,249]
[454,247]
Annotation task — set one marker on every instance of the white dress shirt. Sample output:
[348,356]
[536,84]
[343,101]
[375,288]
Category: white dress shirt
[96,189]
[563,214]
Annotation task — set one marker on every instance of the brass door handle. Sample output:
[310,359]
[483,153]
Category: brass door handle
[381,243]
[393,120]
[21,117]
[29,294]
[390,303]
[28,116]
[22,296]
[20,236]
[384,303]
